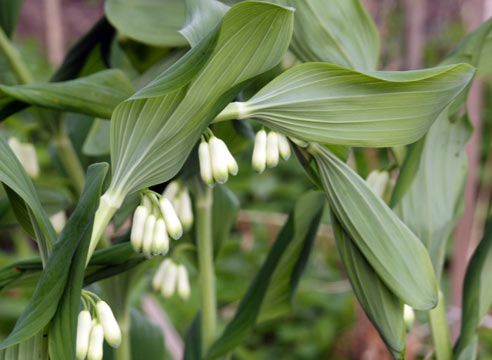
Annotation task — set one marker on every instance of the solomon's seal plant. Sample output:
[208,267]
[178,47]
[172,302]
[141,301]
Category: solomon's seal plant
[282,77]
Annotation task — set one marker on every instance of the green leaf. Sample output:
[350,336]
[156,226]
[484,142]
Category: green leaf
[9,15]
[477,292]
[381,306]
[431,205]
[193,340]
[275,283]
[96,94]
[61,266]
[201,17]
[147,340]
[15,178]
[486,56]
[153,133]
[335,105]
[97,141]
[224,212]
[153,22]
[392,250]
[338,32]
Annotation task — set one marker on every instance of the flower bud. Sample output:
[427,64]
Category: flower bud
[148,235]
[26,154]
[283,147]
[171,191]
[83,331]
[219,161]
[169,280]
[96,340]
[159,275]
[230,161]
[160,243]
[259,152]
[112,332]
[408,317]
[58,221]
[183,283]
[139,218]
[173,225]
[205,163]
[272,149]
[185,209]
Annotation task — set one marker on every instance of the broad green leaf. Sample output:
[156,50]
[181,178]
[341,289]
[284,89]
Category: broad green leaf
[9,15]
[96,94]
[381,306]
[34,348]
[15,178]
[51,286]
[477,292]
[97,141]
[338,32]
[153,22]
[486,57]
[153,132]
[147,340]
[201,17]
[62,331]
[431,204]
[331,104]
[392,250]
[224,212]
[275,283]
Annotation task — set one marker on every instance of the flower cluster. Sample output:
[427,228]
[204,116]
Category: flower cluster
[153,222]
[216,161]
[267,150]
[91,332]
[171,277]
[179,196]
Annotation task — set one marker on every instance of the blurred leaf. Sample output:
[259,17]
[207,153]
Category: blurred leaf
[193,341]
[224,212]
[15,178]
[97,141]
[34,348]
[486,56]
[477,292]
[392,250]
[9,15]
[153,22]
[153,133]
[96,94]
[52,285]
[201,17]
[336,32]
[431,205]
[147,340]
[275,283]
[381,306]
[331,104]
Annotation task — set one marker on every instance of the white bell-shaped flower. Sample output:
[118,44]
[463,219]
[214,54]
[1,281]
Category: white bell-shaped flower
[408,316]
[26,153]
[272,149]
[159,275]
[258,161]
[169,280]
[232,166]
[172,189]
[96,340]
[138,226]
[112,332]
[84,324]
[219,160]
[173,225]
[160,243]
[148,234]
[205,163]
[183,283]
[185,209]
[283,147]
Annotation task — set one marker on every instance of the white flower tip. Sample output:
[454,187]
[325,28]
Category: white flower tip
[258,161]
[26,154]
[58,221]
[138,226]
[183,283]
[84,323]
[283,147]
[218,156]
[148,235]
[205,163]
[408,316]
[272,152]
[169,280]
[96,340]
[173,225]
[378,181]
[112,332]
[171,190]
[160,243]
[185,209]
[159,275]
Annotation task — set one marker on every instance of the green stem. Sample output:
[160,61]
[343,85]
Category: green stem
[15,60]
[69,159]
[440,331]
[206,266]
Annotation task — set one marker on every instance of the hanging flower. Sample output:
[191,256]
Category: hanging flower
[216,161]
